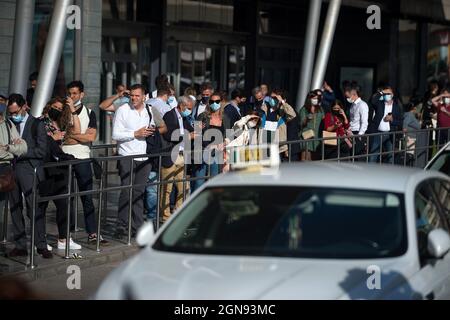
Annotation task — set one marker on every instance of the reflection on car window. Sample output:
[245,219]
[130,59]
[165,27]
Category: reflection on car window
[427,214]
[442,163]
[442,191]
[289,222]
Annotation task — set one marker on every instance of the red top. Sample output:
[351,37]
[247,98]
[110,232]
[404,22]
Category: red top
[331,120]
[443,119]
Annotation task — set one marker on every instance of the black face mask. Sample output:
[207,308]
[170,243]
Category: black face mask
[205,100]
[336,113]
[54,114]
[259,103]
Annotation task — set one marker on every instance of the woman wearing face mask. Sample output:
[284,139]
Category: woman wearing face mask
[11,145]
[248,131]
[311,116]
[442,106]
[336,121]
[60,124]
[213,128]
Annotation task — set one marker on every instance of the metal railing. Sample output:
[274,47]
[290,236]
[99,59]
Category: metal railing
[399,147]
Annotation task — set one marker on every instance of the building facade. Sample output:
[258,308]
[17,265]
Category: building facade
[237,44]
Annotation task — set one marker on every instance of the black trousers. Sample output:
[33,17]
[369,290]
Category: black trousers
[24,185]
[141,170]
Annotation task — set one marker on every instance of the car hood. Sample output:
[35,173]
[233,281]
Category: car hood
[156,275]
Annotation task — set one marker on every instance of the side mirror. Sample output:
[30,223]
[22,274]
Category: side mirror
[438,243]
[145,235]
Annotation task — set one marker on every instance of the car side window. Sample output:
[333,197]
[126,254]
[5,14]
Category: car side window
[442,191]
[428,217]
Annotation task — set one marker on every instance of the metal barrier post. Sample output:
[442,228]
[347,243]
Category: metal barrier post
[339,149]
[393,148]
[381,148]
[100,202]
[66,253]
[75,188]
[130,205]
[353,149]
[158,193]
[406,150]
[428,148]
[367,148]
[5,221]
[105,195]
[33,219]
[184,183]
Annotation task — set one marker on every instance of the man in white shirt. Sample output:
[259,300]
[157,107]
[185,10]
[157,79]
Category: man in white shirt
[359,116]
[132,125]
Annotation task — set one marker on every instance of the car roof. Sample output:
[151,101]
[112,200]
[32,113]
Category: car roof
[328,174]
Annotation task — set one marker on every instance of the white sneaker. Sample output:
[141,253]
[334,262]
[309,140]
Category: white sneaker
[49,247]
[72,245]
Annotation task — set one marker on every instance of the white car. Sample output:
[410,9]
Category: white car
[441,161]
[304,231]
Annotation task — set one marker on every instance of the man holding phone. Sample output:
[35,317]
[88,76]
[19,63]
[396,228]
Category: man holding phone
[387,120]
[132,125]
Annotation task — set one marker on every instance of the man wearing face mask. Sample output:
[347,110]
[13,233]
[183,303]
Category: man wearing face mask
[359,116]
[33,132]
[388,118]
[178,129]
[11,146]
[442,105]
[79,146]
[207,91]
[277,117]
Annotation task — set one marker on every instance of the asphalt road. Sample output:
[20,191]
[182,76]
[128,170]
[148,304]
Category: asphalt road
[55,288]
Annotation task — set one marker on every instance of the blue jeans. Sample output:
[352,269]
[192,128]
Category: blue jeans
[151,196]
[201,172]
[384,140]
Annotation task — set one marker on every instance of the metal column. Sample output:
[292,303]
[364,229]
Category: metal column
[52,55]
[109,93]
[309,50]
[326,43]
[20,62]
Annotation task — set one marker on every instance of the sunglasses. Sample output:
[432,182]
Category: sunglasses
[214,101]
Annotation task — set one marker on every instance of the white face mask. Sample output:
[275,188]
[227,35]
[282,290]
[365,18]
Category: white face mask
[349,100]
[315,102]
[76,104]
[447,101]
[252,124]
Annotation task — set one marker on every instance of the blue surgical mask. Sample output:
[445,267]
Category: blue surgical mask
[186,113]
[273,102]
[387,97]
[215,106]
[18,118]
[172,102]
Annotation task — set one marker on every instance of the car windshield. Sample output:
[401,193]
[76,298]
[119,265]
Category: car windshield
[289,222]
[442,163]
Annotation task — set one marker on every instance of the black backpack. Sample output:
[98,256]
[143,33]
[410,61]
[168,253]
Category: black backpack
[154,142]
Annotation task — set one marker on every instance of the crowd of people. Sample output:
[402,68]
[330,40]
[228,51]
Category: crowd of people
[194,132]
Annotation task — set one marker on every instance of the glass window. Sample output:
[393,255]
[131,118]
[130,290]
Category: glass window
[442,163]
[428,217]
[203,14]
[277,20]
[42,17]
[289,222]
[407,64]
[442,190]
[438,54]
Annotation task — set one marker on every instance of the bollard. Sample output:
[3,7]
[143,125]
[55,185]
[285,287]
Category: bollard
[69,191]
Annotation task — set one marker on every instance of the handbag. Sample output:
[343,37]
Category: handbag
[308,134]
[7,177]
[331,142]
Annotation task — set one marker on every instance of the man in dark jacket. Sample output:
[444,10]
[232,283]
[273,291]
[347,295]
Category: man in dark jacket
[232,111]
[33,132]
[388,118]
[178,130]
